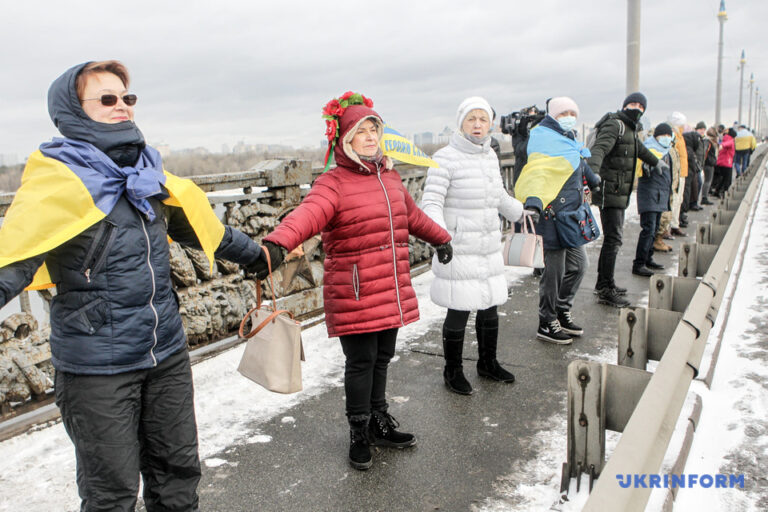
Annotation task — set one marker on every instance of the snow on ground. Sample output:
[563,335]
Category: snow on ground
[732,435]
[37,469]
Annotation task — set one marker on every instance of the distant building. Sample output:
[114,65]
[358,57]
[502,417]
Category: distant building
[444,137]
[423,138]
[225,149]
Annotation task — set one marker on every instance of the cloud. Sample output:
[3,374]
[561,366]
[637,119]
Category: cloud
[209,74]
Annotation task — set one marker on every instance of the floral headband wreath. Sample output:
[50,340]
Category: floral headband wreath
[333,111]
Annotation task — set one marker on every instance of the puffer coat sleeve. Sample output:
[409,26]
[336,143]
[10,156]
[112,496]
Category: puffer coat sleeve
[421,225]
[435,189]
[310,217]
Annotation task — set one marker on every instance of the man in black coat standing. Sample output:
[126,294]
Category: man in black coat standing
[614,156]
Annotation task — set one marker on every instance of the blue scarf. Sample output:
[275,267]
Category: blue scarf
[105,180]
[652,143]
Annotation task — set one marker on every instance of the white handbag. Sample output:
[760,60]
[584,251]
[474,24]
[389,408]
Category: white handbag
[524,249]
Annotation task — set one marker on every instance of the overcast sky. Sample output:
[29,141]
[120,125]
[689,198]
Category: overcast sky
[212,73]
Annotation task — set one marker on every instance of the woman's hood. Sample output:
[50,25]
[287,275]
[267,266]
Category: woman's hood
[72,122]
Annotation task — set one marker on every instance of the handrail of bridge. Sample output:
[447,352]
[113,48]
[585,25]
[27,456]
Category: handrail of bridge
[645,438]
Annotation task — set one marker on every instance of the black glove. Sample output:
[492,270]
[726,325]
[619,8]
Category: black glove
[533,214]
[444,253]
[276,257]
[596,188]
[661,167]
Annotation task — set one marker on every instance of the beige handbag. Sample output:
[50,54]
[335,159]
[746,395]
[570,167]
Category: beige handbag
[524,249]
[273,352]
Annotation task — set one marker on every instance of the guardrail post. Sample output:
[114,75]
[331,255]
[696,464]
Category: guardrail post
[600,397]
[712,234]
[722,216]
[671,293]
[644,335]
[586,419]
[694,259]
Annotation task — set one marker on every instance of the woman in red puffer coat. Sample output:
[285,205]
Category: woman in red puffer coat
[365,215]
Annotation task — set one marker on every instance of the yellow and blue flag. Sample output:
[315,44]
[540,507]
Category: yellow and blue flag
[394,145]
[552,158]
[57,201]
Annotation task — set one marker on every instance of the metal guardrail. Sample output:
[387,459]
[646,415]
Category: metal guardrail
[673,329]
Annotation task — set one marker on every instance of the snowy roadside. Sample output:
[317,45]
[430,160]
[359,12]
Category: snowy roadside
[37,469]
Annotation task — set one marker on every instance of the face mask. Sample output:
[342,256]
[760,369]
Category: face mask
[665,140]
[567,123]
[634,113]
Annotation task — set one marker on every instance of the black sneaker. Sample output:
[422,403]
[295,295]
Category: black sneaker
[383,432]
[553,333]
[654,266]
[610,297]
[567,325]
[618,289]
[642,271]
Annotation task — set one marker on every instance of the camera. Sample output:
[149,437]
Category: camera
[524,119]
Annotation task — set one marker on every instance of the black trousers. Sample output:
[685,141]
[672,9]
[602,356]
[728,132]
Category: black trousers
[722,180]
[649,224]
[457,320]
[123,425]
[612,220]
[365,370]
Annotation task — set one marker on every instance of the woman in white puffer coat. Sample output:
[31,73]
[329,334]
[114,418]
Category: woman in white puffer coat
[465,195]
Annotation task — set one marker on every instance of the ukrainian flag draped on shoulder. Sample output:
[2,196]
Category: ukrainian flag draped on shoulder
[398,147]
[552,158]
[69,185]
[657,149]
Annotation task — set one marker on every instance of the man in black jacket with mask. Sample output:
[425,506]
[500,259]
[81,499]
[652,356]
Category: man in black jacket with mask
[614,156]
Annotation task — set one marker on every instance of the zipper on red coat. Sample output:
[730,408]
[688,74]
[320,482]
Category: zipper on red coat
[152,297]
[392,237]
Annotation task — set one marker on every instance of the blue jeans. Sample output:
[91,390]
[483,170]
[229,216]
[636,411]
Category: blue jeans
[741,161]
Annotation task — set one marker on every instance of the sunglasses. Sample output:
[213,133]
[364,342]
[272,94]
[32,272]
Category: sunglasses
[110,100]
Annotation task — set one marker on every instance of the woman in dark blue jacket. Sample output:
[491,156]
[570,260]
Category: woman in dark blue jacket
[654,189]
[93,217]
[554,183]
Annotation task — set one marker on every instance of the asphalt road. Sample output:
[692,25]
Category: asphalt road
[466,445]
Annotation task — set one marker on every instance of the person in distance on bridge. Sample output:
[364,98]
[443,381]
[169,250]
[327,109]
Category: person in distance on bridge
[679,219]
[554,183]
[614,153]
[654,187]
[710,159]
[365,215]
[92,217]
[745,144]
[465,195]
[724,165]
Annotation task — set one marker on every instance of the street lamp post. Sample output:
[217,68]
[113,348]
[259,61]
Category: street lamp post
[751,85]
[742,61]
[721,17]
[633,46]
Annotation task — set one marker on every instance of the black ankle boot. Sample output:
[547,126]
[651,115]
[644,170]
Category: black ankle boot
[453,375]
[359,443]
[383,433]
[487,340]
